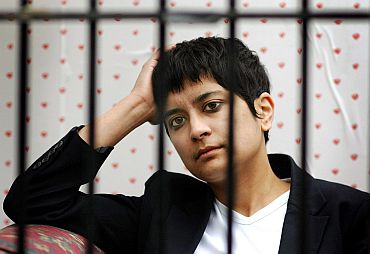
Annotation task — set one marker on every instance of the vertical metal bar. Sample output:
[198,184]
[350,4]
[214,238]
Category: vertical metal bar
[230,153]
[92,85]
[368,128]
[305,102]
[161,107]
[22,131]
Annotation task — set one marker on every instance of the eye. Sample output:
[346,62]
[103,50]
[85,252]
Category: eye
[212,106]
[176,121]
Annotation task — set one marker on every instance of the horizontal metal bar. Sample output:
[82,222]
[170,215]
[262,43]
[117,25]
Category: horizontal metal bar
[176,16]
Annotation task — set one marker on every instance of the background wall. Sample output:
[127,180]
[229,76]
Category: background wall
[338,68]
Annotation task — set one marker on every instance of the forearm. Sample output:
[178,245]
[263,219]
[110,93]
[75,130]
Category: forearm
[116,123]
[54,179]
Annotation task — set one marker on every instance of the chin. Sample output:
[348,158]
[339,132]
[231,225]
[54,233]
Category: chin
[211,172]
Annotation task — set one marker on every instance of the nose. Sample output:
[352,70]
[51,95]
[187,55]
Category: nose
[199,129]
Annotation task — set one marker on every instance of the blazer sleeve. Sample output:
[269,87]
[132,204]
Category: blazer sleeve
[50,189]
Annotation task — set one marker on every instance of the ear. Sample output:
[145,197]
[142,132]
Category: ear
[265,106]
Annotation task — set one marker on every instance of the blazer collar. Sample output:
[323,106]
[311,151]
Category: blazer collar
[303,217]
[187,222]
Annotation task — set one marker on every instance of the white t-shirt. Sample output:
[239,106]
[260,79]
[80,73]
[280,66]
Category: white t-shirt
[257,234]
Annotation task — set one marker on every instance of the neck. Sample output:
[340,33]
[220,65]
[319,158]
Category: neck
[255,186]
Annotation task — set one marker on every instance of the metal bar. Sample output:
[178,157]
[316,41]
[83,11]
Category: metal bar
[368,128]
[24,16]
[22,128]
[91,115]
[161,107]
[230,151]
[304,124]
[177,16]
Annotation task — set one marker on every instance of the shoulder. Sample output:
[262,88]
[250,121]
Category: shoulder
[346,200]
[335,194]
[349,212]
[173,180]
[176,185]
[345,209]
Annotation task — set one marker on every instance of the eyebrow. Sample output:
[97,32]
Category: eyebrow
[197,100]
[204,96]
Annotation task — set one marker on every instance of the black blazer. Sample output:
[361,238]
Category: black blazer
[172,214]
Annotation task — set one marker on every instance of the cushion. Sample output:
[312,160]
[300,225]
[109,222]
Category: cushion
[43,239]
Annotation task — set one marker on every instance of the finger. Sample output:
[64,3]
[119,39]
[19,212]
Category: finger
[156,55]
[167,48]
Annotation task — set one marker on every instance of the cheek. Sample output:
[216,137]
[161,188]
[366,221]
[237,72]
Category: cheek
[219,125]
[247,130]
[182,147]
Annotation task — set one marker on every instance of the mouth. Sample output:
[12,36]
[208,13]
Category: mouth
[206,151]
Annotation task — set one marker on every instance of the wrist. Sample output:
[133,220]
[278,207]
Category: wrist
[143,108]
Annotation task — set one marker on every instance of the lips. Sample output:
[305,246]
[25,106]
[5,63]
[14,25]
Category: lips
[206,150]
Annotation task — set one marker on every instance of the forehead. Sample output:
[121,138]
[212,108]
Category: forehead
[193,91]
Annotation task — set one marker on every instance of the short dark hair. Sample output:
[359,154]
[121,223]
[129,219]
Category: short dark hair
[211,57]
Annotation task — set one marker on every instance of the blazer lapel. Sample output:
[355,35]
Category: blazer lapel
[302,218]
[291,240]
[186,223]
